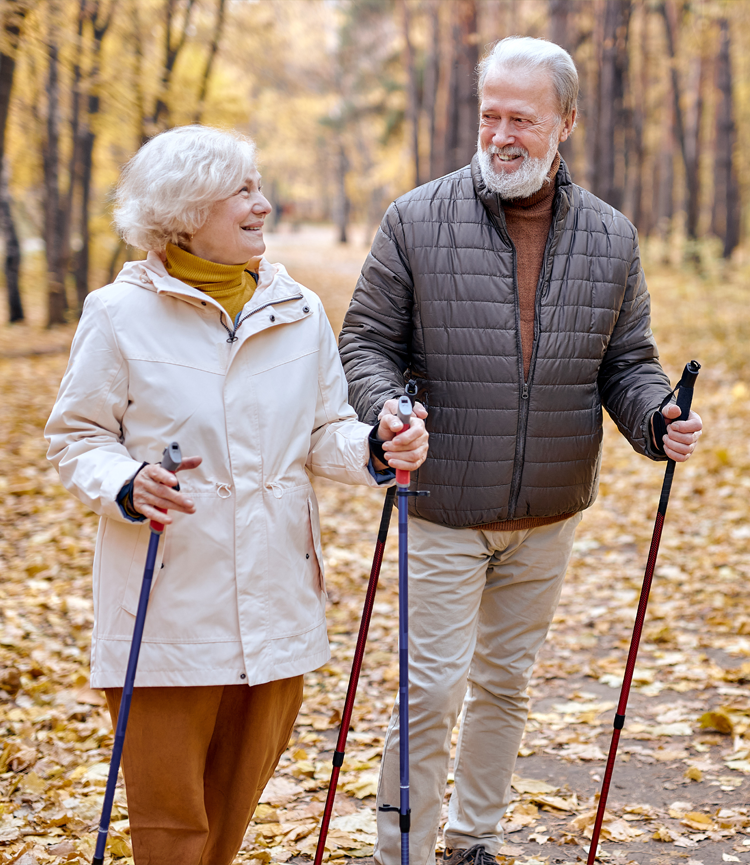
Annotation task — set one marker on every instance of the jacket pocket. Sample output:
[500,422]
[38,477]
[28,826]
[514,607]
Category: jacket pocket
[312,509]
[132,591]
[295,586]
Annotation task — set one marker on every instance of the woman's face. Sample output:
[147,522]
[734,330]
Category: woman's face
[233,232]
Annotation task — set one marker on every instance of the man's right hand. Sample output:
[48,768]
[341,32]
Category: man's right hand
[152,489]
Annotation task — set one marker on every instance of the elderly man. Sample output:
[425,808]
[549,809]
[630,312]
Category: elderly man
[517,301]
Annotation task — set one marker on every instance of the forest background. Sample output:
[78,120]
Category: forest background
[352,102]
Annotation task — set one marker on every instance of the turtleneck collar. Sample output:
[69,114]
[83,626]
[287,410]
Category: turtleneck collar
[202,274]
[547,189]
[492,201]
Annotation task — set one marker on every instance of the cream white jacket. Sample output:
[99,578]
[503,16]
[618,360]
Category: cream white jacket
[238,594]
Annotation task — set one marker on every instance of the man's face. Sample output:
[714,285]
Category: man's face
[519,131]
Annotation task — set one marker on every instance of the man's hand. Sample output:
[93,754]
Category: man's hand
[682,435]
[152,489]
[404,450]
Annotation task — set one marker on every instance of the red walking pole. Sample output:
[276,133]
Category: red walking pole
[359,652]
[684,399]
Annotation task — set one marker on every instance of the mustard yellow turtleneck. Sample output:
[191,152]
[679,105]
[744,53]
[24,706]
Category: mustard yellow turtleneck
[231,285]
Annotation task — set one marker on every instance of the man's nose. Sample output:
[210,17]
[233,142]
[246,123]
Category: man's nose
[502,134]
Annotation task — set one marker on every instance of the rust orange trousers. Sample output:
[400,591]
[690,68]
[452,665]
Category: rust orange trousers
[196,761]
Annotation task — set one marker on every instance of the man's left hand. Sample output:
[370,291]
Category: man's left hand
[682,435]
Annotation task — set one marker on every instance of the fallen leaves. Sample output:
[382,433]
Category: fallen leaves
[687,727]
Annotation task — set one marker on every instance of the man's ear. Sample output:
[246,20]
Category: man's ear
[568,125]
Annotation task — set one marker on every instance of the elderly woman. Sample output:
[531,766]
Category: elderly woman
[208,344]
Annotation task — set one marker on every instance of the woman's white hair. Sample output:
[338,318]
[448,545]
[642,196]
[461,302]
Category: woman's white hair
[529,54]
[167,189]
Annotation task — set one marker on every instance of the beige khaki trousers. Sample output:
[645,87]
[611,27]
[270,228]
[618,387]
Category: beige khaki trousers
[480,605]
[196,761]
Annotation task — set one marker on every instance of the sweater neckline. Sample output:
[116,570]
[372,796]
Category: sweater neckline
[542,196]
[208,276]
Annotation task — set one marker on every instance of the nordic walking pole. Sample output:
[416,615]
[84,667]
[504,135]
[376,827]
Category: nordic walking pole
[684,399]
[405,410]
[171,460]
[359,652]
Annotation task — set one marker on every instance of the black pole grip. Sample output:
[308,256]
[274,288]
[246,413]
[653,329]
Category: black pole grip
[685,388]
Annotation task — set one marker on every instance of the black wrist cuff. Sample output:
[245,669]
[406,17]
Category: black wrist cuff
[660,430]
[376,446]
[125,497]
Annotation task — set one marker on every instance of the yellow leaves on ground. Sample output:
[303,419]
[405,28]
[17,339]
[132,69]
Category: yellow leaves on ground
[687,723]
[728,720]
[613,828]
[531,785]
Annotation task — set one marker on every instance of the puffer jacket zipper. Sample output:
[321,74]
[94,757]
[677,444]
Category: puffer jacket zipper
[524,400]
[233,332]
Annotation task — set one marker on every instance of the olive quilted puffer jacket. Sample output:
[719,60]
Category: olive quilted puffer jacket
[437,300]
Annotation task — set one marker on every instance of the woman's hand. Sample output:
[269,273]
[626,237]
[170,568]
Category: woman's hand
[152,489]
[404,450]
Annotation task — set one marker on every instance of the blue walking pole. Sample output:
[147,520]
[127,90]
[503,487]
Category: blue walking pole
[171,460]
[405,410]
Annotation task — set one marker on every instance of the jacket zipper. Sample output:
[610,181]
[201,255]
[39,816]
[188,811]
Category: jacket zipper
[233,333]
[523,408]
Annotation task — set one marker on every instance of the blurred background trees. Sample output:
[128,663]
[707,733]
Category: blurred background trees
[352,102]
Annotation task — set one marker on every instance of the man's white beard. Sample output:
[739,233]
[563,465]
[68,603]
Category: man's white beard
[522,182]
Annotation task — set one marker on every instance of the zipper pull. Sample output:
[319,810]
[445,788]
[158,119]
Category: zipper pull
[525,391]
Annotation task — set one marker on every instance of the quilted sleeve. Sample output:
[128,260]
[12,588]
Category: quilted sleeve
[375,338]
[631,380]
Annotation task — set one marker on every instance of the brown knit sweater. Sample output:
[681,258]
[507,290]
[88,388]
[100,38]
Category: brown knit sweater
[528,221]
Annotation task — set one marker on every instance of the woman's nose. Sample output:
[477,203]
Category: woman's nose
[262,205]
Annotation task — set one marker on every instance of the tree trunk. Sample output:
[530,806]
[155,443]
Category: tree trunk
[343,204]
[208,68]
[665,188]
[12,21]
[82,257]
[74,165]
[431,74]
[412,94]
[613,70]
[463,115]
[53,217]
[689,154]
[172,49]
[12,254]
[692,146]
[636,149]
[725,217]
[560,33]
[136,40]
[100,26]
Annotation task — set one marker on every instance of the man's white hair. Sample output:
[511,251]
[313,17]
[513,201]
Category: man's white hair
[527,54]
[167,189]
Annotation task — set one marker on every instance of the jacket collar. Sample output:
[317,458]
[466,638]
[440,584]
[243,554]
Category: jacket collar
[274,283]
[493,203]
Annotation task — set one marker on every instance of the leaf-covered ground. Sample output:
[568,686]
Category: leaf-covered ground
[681,790]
